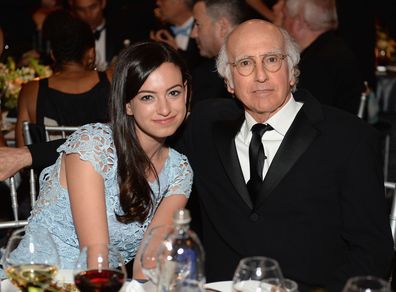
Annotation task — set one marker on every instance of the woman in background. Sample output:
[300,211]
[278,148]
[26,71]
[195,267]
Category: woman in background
[65,97]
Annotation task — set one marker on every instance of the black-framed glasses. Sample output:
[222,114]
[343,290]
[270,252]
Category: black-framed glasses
[270,62]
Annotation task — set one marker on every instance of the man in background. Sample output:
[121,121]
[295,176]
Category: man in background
[177,15]
[214,20]
[329,69]
[107,31]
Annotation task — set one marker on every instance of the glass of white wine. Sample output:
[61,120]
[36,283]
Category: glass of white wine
[31,260]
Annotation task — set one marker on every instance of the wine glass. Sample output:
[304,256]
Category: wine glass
[366,284]
[152,245]
[99,268]
[31,259]
[259,274]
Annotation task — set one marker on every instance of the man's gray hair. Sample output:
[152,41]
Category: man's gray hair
[291,49]
[318,14]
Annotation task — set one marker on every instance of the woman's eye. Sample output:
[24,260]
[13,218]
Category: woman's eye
[174,93]
[146,98]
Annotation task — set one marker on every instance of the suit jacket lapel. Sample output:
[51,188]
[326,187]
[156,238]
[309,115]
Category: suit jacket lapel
[296,141]
[224,134]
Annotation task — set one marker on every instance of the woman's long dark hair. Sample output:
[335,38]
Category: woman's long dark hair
[133,67]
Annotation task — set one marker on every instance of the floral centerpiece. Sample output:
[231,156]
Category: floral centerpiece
[12,78]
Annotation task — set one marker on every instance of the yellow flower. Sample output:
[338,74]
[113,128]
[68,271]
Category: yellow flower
[12,79]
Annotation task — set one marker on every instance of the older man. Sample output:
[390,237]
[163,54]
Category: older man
[279,175]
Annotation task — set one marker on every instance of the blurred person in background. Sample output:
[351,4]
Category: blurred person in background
[107,32]
[63,98]
[329,68]
[179,21]
[214,20]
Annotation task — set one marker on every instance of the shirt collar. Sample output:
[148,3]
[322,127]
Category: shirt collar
[185,28]
[101,26]
[280,122]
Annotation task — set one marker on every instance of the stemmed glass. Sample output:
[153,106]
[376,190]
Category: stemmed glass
[31,260]
[152,245]
[259,274]
[366,284]
[99,268]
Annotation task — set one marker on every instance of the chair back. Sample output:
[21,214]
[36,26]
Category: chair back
[32,133]
[390,188]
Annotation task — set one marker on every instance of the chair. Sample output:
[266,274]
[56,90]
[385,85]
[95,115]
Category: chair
[32,134]
[14,205]
[390,191]
[369,111]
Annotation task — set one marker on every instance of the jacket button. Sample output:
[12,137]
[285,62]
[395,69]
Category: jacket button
[254,217]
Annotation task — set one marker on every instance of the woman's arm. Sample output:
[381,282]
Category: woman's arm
[87,199]
[26,106]
[162,216]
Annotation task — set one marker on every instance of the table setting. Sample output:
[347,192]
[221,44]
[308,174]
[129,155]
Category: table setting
[30,262]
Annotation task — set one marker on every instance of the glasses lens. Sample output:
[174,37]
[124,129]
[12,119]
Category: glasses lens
[245,66]
[272,62]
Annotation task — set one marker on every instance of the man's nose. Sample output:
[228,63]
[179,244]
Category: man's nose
[261,73]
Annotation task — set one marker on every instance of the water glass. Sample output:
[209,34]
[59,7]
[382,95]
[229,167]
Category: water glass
[257,274]
[366,284]
[151,247]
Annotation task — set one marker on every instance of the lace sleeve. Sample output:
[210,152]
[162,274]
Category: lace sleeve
[181,177]
[93,143]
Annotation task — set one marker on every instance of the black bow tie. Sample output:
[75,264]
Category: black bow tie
[98,32]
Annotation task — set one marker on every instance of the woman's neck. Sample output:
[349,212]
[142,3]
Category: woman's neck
[72,67]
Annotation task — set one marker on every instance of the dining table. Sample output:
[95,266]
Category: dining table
[66,277]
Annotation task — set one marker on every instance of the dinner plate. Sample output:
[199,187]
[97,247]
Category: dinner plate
[223,286]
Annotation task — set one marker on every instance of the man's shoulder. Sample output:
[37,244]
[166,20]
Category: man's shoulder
[217,109]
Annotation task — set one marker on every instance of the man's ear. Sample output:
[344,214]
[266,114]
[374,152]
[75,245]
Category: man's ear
[224,27]
[230,86]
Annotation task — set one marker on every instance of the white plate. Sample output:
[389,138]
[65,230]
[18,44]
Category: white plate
[224,286]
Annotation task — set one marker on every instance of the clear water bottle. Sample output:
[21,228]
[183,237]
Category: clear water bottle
[181,258]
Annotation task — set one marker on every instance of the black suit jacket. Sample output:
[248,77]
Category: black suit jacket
[207,83]
[330,71]
[321,211]
[114,40]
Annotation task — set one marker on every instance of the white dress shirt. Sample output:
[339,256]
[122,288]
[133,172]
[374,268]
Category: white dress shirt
[182,39]
[271,140]
[100,49]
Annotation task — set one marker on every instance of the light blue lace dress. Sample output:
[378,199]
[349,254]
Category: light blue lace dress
[94,143]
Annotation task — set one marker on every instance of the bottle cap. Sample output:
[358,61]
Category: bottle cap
[181,216]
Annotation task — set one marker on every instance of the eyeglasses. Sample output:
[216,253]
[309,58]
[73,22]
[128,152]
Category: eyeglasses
[270,62]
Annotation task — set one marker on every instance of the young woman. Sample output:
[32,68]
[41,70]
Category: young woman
[113,181]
